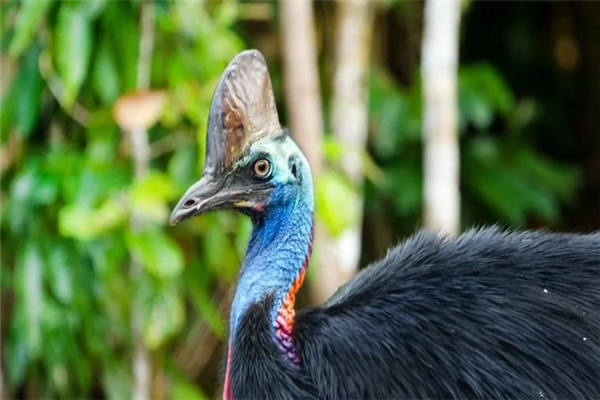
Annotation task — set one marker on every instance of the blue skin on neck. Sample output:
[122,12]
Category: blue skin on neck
[278,246]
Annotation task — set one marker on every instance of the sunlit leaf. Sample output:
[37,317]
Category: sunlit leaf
[333,149]
[85,223]
[157,252]
[181,388]
[93,8]
[101,148]
[93,185]
[32,295]
[337,204]
[27,24]
[161,310]
[60,277]
[73,48]
[227,14]
[150,194]
[117,380]
[242,235]
[105,76]
[216,247]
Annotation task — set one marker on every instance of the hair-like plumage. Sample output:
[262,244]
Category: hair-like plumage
[487,315]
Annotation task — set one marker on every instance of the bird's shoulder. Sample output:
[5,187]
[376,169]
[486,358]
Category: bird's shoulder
[447,307]
[479,256]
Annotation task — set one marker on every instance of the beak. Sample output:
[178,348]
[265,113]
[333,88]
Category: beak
[201,197]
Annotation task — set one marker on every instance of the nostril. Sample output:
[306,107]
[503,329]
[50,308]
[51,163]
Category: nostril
[189,203]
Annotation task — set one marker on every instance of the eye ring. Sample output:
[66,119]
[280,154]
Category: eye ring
[262,168]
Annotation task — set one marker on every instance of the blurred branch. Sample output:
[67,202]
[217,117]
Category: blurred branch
[169,143]
[10,152]
[440,133]
[141,159]
[146,46]
[78,112]
[202,342]
[3,388]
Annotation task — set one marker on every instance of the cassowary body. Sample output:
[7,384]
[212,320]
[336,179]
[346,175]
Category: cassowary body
[487,315]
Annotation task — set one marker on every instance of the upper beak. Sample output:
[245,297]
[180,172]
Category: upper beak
[199,198]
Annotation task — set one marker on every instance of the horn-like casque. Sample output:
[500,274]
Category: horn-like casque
[242,111]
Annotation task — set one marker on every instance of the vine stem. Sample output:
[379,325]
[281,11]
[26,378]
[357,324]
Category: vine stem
[142,369]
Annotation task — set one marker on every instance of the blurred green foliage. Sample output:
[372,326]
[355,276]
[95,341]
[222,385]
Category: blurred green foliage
[68,191]
[504,178]
[69,195]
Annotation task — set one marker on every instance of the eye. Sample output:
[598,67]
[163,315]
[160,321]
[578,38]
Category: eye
[262,168]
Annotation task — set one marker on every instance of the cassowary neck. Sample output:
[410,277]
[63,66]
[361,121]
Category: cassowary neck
[276,261]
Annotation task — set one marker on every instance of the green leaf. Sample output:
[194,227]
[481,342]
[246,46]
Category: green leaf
[216,248]
[149,196]
[395,114]
[92,184]
[120,23]
[85,223]
[483,92]
[28,87]
[27,24]
[181,388]
[16,354]
[61,281]
[404,183]
[33,186]
[337,202]
[182,166]
[117,381]
[333,149]
[161,310]
[157,252]
[198,281]
[32,295]
[93,8]
[73,49]
[560,179]
[105,76]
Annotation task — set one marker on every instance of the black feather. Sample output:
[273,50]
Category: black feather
[487,315]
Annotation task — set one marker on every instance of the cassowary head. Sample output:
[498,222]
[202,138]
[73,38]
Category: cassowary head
[251,163]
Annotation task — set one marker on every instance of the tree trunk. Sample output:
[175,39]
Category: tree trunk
[441,158]
[349,123]
[3,389]
[301,80]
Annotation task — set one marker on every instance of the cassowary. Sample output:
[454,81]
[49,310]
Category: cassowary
[490,314]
